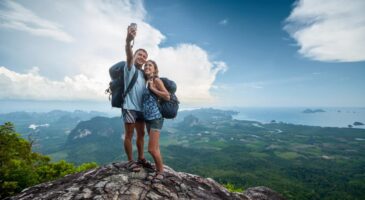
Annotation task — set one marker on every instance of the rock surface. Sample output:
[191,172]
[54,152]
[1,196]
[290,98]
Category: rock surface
[114,181]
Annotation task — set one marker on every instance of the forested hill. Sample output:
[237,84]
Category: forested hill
[300,162]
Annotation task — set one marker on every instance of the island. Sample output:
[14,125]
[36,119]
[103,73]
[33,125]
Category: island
[358,124]
[310,111]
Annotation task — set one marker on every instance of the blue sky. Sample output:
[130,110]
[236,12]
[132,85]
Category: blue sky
[263,60]
[221,53]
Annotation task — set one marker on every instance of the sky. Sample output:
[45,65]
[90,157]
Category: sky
[250,53]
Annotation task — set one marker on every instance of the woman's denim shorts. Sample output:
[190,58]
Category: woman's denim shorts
[155,124]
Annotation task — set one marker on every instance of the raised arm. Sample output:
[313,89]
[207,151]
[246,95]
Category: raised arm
[159,89]
[131,34]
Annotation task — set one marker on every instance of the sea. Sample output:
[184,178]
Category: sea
[331,117]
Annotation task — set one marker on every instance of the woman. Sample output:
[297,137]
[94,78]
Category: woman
[154,91]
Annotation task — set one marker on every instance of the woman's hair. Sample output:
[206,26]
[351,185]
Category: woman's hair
[155,66]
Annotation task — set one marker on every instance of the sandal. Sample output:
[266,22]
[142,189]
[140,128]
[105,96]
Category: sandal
[158,178]
[146,164]
[133,167]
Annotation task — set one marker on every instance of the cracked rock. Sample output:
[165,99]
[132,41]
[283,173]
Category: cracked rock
[114,181]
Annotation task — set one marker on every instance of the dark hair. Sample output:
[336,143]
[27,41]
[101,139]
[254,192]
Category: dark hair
[156,68]
[144,50]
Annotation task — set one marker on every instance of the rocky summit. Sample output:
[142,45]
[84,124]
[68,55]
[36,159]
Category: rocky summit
[114,181]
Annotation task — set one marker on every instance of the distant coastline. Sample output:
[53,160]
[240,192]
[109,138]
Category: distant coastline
[310,111]
[330,118]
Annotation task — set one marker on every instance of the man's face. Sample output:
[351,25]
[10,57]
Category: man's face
[140,58]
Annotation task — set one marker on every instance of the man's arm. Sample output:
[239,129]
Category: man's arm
[131,33]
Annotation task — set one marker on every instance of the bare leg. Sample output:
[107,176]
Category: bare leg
[154,149]
[140,139]
[128,135]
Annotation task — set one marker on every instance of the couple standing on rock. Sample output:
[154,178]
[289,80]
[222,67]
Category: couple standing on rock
[140,108]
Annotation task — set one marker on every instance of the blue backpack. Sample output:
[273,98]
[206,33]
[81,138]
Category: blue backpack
[169,108]
[116,85]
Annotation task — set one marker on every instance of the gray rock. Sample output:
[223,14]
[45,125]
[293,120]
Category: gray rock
[114,181]
[262,193]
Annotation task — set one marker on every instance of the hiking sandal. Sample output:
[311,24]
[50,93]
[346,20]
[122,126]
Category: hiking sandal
[133,167]
[146,164]
[158,178]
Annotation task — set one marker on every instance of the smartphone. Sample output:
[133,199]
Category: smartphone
[133,25]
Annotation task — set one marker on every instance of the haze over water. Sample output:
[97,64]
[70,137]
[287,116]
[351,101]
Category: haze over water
[332,117]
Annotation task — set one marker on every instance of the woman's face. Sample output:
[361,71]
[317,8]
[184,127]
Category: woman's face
[149,68]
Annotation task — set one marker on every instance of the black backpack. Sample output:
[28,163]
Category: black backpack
[169,108]
[116,85]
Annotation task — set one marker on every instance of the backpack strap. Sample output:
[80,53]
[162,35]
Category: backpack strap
[131,84]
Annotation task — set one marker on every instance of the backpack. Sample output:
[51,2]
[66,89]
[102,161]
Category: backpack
[116,85]
[169,108]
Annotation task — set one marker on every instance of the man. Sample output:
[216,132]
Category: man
[132,107]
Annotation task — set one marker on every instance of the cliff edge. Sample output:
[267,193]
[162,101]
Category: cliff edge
[114,181]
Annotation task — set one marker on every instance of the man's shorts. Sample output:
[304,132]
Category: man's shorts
[132,116]
[155,124]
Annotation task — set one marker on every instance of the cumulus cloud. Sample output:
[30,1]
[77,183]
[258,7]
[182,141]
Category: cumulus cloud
[99,29]
[14,16]
[190,67]
[33,86]
[329,30]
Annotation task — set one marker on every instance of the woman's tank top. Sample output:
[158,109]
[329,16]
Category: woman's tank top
[150,105]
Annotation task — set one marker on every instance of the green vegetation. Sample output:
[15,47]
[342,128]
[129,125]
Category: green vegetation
[98,139]
[47,131]
[299,162]
[22,168]
[230,187]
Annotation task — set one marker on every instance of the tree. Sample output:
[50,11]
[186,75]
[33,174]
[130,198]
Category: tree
[21,168]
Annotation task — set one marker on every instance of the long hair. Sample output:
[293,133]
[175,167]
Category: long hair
[155,75]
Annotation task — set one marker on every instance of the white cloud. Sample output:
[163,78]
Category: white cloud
[99,29]
[329,30]
[31,85]
[35,126]
[15,16]
[192,70]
